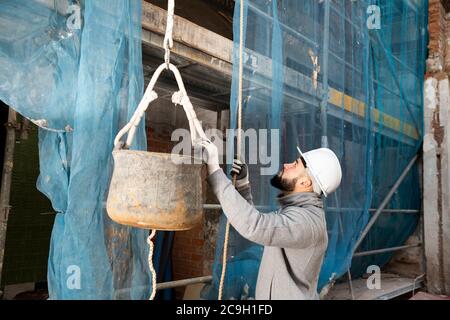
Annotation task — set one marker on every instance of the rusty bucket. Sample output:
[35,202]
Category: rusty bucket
[156,190]
[148,190]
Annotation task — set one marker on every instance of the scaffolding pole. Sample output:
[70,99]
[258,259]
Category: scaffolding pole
[378,251]
[374,218]
[183,283]
[397,81]
[5,190]
[325,97]
[210,206]
[385,202]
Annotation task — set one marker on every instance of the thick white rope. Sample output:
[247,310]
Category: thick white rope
[179,97]
[150,263]
[168,40]
[239,137]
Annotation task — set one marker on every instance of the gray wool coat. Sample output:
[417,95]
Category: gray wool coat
[294,239]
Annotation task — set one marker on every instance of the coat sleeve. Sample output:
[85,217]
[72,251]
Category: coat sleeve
[246,193]
[292,227]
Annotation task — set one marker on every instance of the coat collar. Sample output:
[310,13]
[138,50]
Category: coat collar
[300,199]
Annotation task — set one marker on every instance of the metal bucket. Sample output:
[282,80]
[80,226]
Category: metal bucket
[149,190]
[157,190]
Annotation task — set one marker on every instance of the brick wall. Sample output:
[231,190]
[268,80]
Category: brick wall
[437,27]
[193,250]
[159,142]
[447,43]
[187,256]
[187,251]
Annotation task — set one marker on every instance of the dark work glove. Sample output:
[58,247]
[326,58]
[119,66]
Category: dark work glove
[240,170]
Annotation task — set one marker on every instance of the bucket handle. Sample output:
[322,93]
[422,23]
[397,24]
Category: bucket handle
[179,97]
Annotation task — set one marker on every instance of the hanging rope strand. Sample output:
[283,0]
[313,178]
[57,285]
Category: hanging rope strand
[239,137]
[168,44]
[180,97]
[150,263]
[168,40]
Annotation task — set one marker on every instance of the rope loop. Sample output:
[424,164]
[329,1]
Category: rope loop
[168,40]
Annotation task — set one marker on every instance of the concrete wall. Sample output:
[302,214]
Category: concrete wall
[436,147]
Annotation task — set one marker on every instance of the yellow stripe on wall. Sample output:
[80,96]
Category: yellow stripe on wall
[355,106]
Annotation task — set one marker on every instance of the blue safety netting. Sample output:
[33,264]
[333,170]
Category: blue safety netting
[365,103]
[75,69]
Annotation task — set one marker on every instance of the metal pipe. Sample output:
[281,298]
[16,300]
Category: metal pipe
[350,284]
[385,202]
[397,82]
[183,283]
[359,27]
[219,207]
[356,70]
[5,190]
[329,209]
[334,209]
[282,25]
[397,210]
[372,252]
[324,68]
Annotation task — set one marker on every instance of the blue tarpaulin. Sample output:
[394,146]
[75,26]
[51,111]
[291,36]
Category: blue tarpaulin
[363,99]
[75,69]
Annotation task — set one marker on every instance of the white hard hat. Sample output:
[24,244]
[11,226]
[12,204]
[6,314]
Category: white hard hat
[324,166]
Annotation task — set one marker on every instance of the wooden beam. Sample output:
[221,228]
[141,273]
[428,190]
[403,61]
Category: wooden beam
[207,48]
[187,33]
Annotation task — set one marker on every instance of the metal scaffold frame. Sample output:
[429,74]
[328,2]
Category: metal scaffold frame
[213,51]
[5,189]
[219,58]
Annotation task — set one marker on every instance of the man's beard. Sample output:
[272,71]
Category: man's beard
[285,185]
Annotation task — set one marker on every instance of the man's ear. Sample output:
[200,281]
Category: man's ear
[305,182]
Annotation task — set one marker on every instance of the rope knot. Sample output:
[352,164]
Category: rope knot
[177,98]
